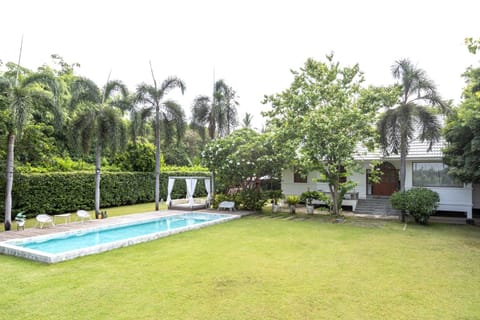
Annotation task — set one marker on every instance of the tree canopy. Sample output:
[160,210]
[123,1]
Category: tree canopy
[321,119]
[462,131]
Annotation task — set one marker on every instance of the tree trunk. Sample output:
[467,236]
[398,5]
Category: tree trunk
[157,157]
[98,164]
[333,192]
[403,173]
[8,188]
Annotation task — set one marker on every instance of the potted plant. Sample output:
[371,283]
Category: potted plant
[292,202]
[275,195]
[308,197]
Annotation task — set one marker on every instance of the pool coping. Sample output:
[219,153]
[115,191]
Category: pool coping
[7,248]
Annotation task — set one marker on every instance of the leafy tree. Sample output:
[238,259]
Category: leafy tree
[37,145]
[98,120]
[473,45]
[321,119]
[220,115]
[462,132]
[240,159]
[138,156]
[411,116]
[152,98]
[19,94]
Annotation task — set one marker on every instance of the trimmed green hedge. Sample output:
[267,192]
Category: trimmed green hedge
[61,192]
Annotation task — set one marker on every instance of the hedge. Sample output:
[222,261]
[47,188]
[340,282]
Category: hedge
[60,192]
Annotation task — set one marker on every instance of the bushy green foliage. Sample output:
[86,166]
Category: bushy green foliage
[275,195]
[241,158]
[252,199]
[61,192]
[138,157]
[249,199]
[309,196]
[220,197]
[419,202]
[292,200]
[399,200]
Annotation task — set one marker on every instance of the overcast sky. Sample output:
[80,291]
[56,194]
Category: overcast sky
[252,45]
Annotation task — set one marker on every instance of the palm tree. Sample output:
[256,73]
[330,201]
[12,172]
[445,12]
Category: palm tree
[412,116]
[220,115]
[247,120]
[20,94]
[99,119]
[151,97]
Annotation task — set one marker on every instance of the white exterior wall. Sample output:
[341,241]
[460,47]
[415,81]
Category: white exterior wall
[360,178]
[476,196]
[291,188]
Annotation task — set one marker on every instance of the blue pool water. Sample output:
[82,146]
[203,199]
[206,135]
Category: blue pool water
[66,246]
[102,236]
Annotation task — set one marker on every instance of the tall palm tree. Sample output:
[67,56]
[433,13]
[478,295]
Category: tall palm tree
[99,119]
[219,113]
[20,95]
[152,97]
[412,117]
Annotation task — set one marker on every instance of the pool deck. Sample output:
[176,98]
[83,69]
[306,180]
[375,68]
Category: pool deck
[95,223]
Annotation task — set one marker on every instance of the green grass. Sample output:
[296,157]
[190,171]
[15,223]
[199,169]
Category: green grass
[262,268]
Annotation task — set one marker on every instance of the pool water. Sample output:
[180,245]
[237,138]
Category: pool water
[66,246]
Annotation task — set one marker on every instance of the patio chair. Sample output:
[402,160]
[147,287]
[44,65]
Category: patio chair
[83,215]
[20,219]
[44,219]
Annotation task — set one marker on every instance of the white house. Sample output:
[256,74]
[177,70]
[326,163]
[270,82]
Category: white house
[424,169]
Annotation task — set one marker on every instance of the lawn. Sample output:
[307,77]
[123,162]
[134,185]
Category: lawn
[261,267]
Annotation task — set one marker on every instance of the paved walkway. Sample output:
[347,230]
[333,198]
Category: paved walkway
[95,223]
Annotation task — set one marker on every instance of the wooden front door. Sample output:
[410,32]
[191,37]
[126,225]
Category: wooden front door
[389,181]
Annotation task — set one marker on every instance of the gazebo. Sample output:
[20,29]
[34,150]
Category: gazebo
[191,183]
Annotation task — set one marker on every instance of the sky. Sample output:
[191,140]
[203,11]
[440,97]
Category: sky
[252,45]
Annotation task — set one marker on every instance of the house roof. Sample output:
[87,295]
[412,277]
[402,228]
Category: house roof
[418,150]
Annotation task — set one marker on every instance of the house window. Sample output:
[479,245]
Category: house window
[299,176]
[433,174]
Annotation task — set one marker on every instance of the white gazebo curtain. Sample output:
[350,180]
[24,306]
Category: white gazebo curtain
[207,187]
[171,181]
[191,184]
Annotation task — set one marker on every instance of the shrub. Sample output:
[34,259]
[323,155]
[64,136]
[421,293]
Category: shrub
[309,196]
[419,202]
[220,197]
[252,199]
[292,200]
[275,195]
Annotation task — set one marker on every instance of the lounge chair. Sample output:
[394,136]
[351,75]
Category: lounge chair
[83,215]
[44,219]
[227,205]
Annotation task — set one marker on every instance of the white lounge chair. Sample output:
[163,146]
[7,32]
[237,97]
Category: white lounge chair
[227,205]
[83,215]
[44,219]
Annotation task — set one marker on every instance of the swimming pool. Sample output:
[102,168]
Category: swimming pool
[69,245]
